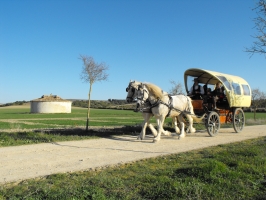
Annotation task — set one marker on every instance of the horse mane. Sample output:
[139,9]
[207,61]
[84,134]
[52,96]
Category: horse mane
[156,91]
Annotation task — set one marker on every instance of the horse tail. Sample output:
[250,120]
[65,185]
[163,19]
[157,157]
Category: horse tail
[198,119]
[190,106]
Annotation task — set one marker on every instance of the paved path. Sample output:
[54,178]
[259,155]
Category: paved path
[31,161]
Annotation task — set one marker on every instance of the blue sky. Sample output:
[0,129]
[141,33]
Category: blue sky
[146,40]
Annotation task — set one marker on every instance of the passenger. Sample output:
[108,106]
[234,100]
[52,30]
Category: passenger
[196,91]
[223,95]
[207,97]
[217,93]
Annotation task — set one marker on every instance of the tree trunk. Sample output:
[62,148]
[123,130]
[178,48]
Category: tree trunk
[88,112]
[255,113]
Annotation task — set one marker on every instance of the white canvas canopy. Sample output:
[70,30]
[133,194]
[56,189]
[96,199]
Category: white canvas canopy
[238,91]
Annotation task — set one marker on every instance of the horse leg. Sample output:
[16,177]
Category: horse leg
[165,132]
[182,127]
[191,129]
[143,130]
[146,117]
[182,134]
[177,130]
[160,121]
[153,130]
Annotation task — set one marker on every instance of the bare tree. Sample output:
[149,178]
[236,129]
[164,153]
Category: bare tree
[259,45]
[258,98]
[92,72]
[177,88]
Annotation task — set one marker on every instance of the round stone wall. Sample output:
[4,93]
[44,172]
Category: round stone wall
[50,104]
[50,107]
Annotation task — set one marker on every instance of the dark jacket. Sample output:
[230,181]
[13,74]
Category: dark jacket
[218,92]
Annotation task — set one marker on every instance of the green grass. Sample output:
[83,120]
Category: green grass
[18,119]
[98,117]
[93,121]
[19,125]
[24,113]
[232,171]
[249,115]
[42,136]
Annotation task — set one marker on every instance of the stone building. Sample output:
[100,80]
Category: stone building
[50,104]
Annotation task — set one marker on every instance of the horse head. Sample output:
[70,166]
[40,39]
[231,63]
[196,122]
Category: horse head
[142,93]
[131,90]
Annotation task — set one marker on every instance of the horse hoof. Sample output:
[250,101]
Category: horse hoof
[155,140]
[193,130]
[140,138]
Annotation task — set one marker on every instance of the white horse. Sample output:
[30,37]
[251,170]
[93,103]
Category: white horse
[163,105]
[132,94]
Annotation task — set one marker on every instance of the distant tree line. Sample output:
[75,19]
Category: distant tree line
[110,104]
[14,103]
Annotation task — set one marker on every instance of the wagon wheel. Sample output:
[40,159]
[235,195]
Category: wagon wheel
[212,123]
[238,120]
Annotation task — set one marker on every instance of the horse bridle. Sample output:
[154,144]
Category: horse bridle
[133,90]
[141,96]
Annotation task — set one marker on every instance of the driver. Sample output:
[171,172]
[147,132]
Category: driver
[196,91]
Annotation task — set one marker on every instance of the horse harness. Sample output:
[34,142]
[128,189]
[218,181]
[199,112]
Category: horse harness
[140,98]
[169,105]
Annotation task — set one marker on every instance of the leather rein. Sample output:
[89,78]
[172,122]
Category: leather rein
[158,102]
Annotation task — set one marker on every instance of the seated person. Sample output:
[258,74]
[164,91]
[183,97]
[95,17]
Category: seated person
[207,97]
[217,93]
[196,91]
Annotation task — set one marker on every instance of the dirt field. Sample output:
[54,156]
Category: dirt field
[31,161]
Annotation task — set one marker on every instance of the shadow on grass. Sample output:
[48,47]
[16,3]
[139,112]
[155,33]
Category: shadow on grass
[94,131]
[105,132]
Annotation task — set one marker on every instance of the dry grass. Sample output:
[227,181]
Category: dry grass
[256,122]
